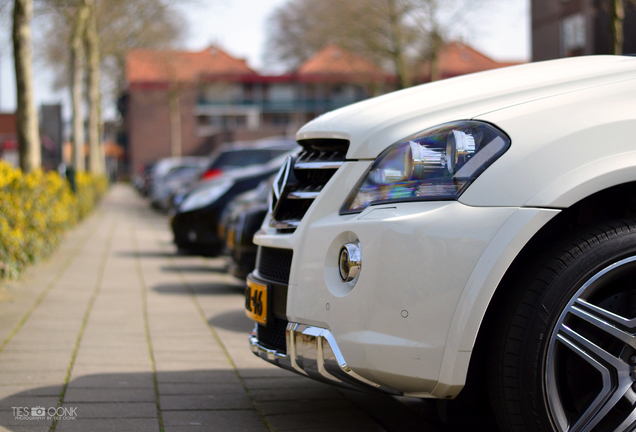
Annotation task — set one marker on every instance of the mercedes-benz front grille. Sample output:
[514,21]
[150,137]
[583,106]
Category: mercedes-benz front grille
[274,263]
[300,183]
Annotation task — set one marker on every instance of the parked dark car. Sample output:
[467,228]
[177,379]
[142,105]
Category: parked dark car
[165,187]
[240,220]
[195,220]
[234,156]
[153,174]
[142,179]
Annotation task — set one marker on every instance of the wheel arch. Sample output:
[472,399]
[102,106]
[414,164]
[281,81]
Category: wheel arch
[611,203]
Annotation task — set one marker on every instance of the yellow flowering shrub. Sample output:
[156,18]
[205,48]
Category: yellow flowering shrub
[36,209]
[90,189]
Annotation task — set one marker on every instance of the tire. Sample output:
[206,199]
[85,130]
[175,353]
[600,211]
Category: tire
[563,355]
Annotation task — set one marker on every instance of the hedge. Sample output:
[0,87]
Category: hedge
[35,211]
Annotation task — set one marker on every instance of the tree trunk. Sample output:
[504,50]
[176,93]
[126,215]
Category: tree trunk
[27,117]
[95,162]
[175,122]
[77,69]
[617,16]
[397,39]
[437,43]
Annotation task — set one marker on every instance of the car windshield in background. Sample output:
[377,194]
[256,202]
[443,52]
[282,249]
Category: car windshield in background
[247,157]
[182,171]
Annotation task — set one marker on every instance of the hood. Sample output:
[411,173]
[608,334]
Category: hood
[374,124]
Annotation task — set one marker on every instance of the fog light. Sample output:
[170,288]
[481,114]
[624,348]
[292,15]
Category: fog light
[350,261]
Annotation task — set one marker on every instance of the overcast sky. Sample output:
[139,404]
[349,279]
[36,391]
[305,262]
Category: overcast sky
[239,26]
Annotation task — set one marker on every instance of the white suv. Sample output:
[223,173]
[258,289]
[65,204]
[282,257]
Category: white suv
[479,228]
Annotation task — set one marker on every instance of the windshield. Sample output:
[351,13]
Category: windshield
[246,157]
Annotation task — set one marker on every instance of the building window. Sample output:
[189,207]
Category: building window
[573,35]
[279,119]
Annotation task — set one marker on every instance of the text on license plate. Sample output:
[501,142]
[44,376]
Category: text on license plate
[256,301]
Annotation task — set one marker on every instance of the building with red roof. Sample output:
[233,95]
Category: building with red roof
[152,67]
[185,103]
[455,59]
[333,62]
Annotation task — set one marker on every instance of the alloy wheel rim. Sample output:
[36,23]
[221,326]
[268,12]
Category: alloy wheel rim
[591,362]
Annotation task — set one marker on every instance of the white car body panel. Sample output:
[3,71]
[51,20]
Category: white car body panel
[545,165]
[462,247]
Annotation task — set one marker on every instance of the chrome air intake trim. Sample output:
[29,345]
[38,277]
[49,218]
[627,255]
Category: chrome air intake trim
[313,352]
[303,195]
[318,165]
[287,224]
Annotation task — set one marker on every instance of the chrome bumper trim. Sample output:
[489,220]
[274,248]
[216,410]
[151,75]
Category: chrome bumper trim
[286,224]
[318,165]
[313,352]
[303,195]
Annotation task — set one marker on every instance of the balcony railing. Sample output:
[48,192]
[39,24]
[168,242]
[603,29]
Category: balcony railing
[296,105]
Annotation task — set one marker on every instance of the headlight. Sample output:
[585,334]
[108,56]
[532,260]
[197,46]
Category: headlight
[435,164]
[206,195]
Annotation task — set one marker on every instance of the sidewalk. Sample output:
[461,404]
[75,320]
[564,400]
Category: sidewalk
[123,334]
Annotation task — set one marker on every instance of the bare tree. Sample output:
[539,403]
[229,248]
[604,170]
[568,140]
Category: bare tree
[437,22]
[295,32]
[376,29]
[121,26]
[617,16]
[99,34]
[394,33]
[616,9]
[91,38]
[169,61]
[27,118]
[76,44]
[126,24]
[395,12]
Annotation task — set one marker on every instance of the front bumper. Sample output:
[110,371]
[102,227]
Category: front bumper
[429,271]
[314,352]
[197,230]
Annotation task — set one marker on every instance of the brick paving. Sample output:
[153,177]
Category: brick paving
[128,335]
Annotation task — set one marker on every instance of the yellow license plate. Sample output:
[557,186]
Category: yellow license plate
[256,301]
[230,239]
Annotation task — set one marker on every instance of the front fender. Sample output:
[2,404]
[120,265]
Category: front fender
[480,288]
[587,180]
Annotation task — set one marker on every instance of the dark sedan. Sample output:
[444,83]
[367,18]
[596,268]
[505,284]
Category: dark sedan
[239,222]
[195,221]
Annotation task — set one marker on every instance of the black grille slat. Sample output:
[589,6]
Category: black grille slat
[321,156]
[325,144]
[317,163]
[273,336]
[308,178]
[293,210]
[275,264]
[309,188]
